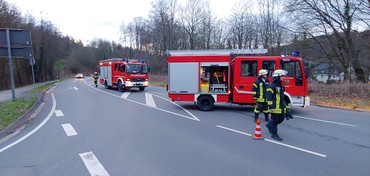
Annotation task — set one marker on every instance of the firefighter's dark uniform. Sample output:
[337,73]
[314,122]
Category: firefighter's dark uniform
[276,102]
[259,94]
[96,77]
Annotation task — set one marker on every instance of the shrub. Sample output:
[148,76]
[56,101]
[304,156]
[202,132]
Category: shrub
[352,95]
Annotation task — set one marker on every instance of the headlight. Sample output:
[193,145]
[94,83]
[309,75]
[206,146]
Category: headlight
[129,84]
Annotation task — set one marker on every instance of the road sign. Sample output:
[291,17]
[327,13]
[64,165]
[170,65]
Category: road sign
[3,42]
[32,61]
[20,37]
[21,52]
[20,43]
[15,43]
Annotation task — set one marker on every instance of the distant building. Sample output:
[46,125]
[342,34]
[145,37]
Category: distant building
[322,72]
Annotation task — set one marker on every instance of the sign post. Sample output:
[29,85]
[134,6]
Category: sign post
[32,63]
[10,64]
[17,45]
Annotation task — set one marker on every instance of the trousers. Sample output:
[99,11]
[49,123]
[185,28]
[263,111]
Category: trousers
[272,125]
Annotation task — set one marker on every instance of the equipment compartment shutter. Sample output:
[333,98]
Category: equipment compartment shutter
[183,77]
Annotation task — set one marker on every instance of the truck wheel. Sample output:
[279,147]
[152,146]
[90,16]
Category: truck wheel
[120,86]
[205,103]
[141,88]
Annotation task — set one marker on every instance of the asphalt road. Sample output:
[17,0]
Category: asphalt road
[82,130]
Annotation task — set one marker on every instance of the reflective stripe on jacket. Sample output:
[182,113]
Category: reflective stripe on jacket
[259,90]
[275,98]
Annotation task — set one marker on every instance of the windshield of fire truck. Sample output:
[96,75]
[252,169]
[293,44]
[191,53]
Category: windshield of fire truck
[136,68]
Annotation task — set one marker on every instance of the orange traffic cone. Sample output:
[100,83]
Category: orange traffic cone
[257,134]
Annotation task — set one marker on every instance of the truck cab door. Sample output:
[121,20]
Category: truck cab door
[293,81]
[245,73]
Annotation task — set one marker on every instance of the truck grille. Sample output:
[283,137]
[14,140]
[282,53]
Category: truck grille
[137,79]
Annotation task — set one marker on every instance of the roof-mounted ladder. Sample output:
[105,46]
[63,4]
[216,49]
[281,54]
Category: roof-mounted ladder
[224,52]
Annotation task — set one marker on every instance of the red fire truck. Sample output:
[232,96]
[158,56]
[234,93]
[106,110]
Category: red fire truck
[206,77]
[123,73]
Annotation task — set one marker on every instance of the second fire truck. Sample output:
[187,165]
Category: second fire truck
[206,77]
[123,73]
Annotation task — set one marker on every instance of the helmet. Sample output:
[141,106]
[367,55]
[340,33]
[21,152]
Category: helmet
[95,72]
[279,72]
[262,72]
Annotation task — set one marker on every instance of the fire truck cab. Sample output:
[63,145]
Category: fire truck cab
[206,77]
[123,74]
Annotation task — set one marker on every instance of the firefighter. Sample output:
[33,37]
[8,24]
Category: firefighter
[96,77]
[259,94]
[276,103]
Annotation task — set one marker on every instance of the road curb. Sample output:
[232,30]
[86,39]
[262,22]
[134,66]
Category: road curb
[341,108]
[30,114]
[24,119]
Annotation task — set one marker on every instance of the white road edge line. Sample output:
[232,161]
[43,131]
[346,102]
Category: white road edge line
[35,129]
[197,119]
[326,121]
[93,165]
[68,128]
[275,142]
[191,118]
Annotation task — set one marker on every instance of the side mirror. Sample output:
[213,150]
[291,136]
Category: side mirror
[306,63]
[306,68]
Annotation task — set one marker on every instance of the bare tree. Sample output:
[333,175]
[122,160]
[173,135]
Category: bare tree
[164,25]
[192,15]
[218,34]
[206,28]
[242,25]
[270,24]
[10,16]
[335,20]
[212,30]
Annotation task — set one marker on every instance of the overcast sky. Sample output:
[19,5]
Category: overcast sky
[89,19]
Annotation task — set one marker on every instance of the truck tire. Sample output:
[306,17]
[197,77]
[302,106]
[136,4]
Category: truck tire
[205,103]
[141,88]
[120,87]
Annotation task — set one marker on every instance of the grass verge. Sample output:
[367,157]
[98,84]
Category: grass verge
[348,95]
[43,87]
[10,111]
[158,80]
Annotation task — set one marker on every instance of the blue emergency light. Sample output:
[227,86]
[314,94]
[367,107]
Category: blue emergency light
[295,53]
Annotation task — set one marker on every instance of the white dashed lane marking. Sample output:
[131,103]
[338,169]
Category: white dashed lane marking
[59,113]
[68,128]
[93,165]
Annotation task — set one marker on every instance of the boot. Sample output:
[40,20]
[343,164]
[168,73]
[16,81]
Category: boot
[277,137]
[267,117]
